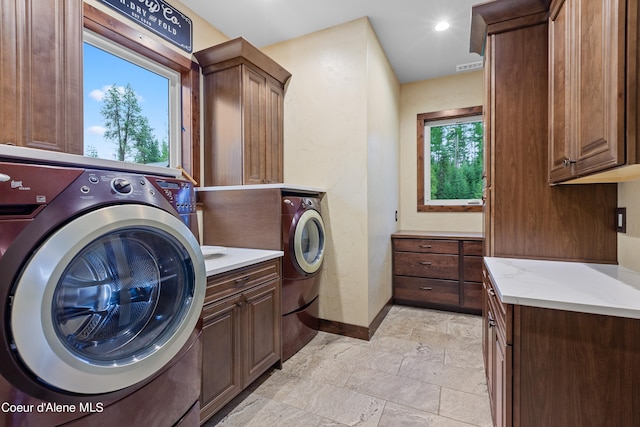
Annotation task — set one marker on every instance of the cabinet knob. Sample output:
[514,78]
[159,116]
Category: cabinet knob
[567,162]
[492,292]
[492,323]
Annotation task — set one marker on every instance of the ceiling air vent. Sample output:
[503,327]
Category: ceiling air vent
[469,66]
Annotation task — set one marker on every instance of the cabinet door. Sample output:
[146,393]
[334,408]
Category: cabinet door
[274,133]
[599,84]
[41,74]
[262,315]
[254,126]
[502,371]
[221,355]
[560,166]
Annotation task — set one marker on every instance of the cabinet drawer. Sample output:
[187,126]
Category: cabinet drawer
[426,245]
[472,247]
[503,313]
[432,291]
[437,266]
[472,271]
[225,284]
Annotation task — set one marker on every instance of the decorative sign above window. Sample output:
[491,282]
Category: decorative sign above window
[159,17]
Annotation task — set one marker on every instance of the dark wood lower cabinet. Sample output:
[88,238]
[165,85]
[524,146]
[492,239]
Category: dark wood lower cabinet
[438,270]
[221,355]
[241,333]
[497,345]
[560,368]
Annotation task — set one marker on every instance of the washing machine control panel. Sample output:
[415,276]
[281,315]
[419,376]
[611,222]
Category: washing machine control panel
[179,193]
[122,186]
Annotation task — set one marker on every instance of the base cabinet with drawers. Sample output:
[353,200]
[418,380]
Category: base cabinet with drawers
[241,337]
[552,367]
[438,270]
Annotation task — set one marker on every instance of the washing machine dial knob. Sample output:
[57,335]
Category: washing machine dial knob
[121,185]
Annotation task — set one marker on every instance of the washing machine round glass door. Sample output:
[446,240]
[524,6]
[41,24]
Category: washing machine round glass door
[308,241]
[108,299]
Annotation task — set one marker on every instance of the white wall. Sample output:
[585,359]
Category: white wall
[455,91]
[340,84]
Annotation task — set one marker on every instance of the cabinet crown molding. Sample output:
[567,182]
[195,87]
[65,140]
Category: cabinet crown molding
[232,52]
[504,15]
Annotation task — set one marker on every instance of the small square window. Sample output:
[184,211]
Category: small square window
[451,149]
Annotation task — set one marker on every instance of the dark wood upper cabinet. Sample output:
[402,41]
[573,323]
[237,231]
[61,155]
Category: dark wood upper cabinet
[243,114]
[587,87]
[525,217]
[41,74]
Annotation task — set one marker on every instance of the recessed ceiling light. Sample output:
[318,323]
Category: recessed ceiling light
[441,26]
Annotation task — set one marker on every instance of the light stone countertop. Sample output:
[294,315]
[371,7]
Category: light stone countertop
[581,287]
[231,258]
[280,186]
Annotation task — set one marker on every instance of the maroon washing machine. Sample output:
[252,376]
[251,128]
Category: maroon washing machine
[303,237]
[101,290]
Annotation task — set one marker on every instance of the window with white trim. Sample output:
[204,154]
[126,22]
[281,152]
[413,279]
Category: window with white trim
[132,109]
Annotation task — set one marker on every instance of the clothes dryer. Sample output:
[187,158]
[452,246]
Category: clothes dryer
[303,238]
[101,289]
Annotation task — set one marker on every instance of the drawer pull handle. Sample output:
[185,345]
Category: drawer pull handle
[242,279]
[425,262]
[492,292]
[426,246]
[492,323]
[426,288]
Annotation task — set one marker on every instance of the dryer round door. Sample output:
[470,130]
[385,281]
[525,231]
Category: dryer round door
[308,241]
[108,299]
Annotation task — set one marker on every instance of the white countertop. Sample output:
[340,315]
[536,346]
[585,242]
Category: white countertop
[589,288]
[280,186]
[231,258]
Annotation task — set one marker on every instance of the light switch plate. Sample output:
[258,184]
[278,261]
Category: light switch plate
[621,220]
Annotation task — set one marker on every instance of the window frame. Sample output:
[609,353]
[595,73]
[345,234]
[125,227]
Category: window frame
[174,87]
[440,116]
[153,49]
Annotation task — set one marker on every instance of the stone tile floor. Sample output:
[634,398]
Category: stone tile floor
[421,368]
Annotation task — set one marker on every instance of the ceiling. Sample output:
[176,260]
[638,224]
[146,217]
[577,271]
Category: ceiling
[405,28]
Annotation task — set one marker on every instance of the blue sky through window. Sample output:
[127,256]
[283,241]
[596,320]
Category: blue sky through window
[101,71]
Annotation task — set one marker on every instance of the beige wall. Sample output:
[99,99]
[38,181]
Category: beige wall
[204,35]
[383,170]
[341,83]
[456,91]
[629,242]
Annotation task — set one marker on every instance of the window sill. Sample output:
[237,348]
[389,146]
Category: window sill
[450,208]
